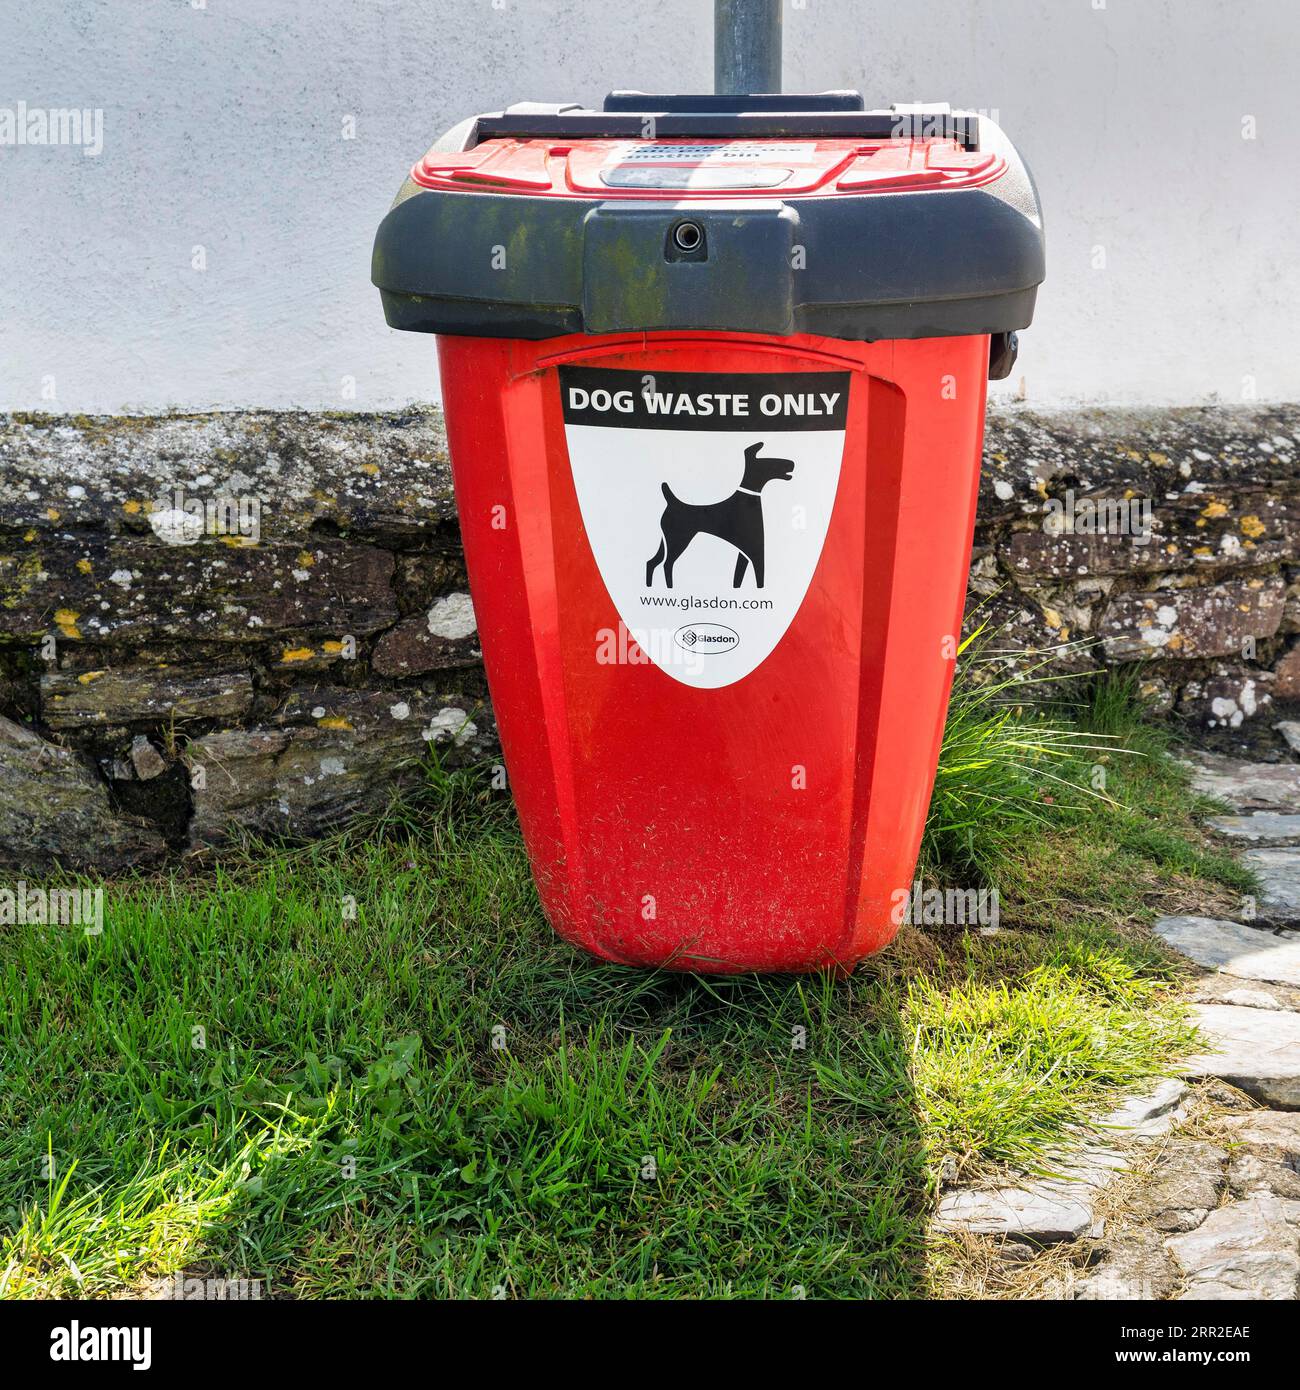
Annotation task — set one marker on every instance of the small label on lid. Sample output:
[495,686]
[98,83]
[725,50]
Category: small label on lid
[721,152]
[708,177]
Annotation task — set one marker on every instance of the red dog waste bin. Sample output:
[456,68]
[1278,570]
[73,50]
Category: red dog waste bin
[714,383]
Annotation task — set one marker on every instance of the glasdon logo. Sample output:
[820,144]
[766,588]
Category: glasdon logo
[706,637]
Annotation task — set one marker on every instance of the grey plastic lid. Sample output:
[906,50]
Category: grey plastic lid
[932,262]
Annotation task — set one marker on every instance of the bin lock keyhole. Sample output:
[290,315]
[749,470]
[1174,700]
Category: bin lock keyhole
[686,242]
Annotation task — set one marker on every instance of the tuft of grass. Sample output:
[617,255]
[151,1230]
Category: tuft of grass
[1009,766]
[1069,805]
[74,1243]
[1002,1070]
[367,1068]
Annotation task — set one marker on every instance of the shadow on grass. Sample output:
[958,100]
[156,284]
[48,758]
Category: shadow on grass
[368,1068]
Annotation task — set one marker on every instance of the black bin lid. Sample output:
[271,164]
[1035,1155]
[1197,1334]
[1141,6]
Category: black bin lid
[772,214]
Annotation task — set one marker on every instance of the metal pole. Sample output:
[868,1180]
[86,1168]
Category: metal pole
[746,46]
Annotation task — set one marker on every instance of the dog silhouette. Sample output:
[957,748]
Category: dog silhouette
[737,519]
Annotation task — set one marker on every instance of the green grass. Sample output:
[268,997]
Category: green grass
[1068,803]
[437,1098]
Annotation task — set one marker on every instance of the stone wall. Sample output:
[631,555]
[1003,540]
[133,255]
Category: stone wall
[261,620]
[1204,608]
[160,689]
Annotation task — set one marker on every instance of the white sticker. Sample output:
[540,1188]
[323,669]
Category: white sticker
[729,151]
[693,176]
[706,498]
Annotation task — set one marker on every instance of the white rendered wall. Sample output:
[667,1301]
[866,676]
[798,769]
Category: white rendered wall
[224,122]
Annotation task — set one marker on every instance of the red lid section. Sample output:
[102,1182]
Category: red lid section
[707,168]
